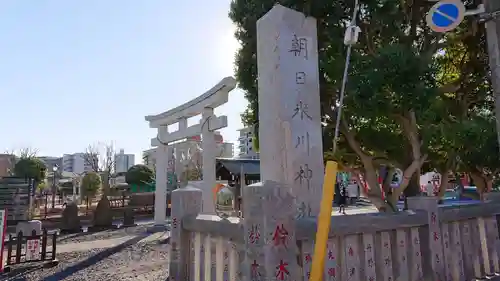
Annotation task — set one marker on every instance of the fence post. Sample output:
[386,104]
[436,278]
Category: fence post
[9,250]
[431,246]
[185,201]
[19,244]
[269,228]
[44,244]
[54,243]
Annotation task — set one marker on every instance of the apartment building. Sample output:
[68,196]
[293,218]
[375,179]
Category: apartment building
[245,144]
[193,146]
[7,162]
[123,161]
[51,162]
[75,163]
[149,158]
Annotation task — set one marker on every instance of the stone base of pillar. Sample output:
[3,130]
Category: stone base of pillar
[158,228]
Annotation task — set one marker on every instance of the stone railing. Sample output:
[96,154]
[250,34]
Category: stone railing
[427,243]
[203,247]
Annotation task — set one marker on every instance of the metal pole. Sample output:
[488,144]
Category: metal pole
[53,189]
[493,39]
[46,195]
[344,81]
[341,99]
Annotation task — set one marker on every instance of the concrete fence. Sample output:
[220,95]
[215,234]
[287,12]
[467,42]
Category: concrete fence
[270,243]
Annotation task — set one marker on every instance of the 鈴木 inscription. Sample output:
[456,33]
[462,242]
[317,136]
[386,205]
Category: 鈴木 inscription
[255,269]
[280,235]
[282,271]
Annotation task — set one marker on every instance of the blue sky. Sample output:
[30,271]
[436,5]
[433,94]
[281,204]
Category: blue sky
[73,73]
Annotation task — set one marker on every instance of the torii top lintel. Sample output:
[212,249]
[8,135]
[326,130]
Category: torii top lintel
[216,96]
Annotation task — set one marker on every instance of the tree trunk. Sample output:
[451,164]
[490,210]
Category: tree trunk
[413,188]
[374,191]
[410,184]
[387,180]
[444,183]
[411,175]
[482,183]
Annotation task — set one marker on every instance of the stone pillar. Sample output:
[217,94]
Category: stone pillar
[432,245]
[178,161]
[162,155]
[269,227]
[179,148]
[186,202]
[291,149]
[208,146]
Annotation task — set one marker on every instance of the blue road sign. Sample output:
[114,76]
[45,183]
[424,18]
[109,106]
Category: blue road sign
[445,15]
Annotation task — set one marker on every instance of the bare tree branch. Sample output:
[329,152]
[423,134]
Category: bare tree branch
[10,151]
[100,157]
[25,152]
[91,158]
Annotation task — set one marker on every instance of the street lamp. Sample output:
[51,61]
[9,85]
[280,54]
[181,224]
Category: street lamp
[54,172]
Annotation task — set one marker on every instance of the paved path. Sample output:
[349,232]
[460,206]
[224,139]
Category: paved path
[355,210]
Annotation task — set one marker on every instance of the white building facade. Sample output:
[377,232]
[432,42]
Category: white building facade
[149,158]
[193,146]
[75,163]
[123,161]
[246,145]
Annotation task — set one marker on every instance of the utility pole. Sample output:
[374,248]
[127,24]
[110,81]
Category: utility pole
[492,20]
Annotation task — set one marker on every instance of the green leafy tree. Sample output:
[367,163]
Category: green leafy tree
[91,183]
[30,167]
[139,174]
[41,186]
[479,154]
[405,83]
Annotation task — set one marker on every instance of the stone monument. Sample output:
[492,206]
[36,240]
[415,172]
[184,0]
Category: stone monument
[70,222]
[291,148]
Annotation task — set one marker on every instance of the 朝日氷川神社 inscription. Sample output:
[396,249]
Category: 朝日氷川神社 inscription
[301,110]
[304,175]
[289,107]
[300,78]
[303,141]
[299,47]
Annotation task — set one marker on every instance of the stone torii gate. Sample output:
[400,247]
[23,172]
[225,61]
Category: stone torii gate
[204,105]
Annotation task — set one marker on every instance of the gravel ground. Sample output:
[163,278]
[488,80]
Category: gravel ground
[101,235]
[145,261]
